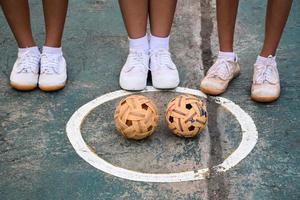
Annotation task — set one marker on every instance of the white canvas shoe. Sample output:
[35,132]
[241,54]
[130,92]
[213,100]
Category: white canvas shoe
[134,73]
[219,75]
[25,72]
[266,83]
[164,72]
[53,73]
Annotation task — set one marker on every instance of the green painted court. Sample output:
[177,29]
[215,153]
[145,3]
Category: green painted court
[38,161]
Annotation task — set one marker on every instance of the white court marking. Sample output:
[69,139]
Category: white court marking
[249,140]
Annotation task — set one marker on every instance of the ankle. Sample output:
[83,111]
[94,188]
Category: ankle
[159,42]
[52,50]
[33,50]
[139,44]
[265,60]
[227,55]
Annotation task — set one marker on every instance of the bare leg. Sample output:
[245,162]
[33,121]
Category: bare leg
[135,16]
[277,15]
[55,14]
[161,16]
[18,18]
[226,17]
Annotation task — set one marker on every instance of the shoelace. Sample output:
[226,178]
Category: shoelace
[221,69]
[28,63]
[136,60]
[163,58]
[266,73]
[49,64]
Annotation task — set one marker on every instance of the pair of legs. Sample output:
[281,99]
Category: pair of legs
[18,16]
[136,13]
[144,56]
[32,69]
[266,83]
[276,17]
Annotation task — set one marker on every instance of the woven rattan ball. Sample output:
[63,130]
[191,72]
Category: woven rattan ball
[186,115]
[136,117]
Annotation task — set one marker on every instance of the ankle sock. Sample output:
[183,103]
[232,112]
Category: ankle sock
[52,50]
[227,55]
[159,42]
[265,60]
[34,49]
[140,43]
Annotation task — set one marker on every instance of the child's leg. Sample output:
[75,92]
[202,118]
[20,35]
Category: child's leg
[134,73]
[161,17]
[55,14]
[135,15]
[53,72]
[226,67]
[226,17]
[24,75]
[18,17]
[266,82]
[163,70]
[277,14]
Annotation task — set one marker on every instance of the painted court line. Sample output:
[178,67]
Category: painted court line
[249,140]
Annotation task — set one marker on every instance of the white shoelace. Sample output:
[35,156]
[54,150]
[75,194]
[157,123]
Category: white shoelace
[163,58]
[221,69]
[28,63]
[266,73]
[50,64]
[136,58]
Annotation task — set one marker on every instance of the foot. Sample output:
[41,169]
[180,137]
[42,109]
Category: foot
[25,72]
[53,73]
[164,72]
[266,83]
[134,73]
[219,75]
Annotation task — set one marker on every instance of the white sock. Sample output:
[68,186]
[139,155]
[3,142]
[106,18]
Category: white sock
[227,56]
[34,49]
[159,42]
[265,60]
[52,50]
[140,43]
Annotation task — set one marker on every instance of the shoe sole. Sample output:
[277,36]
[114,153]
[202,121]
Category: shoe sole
[51,88]
[23,87]
[264,99]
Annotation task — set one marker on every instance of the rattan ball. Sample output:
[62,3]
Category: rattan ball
[186,115]
[136,117]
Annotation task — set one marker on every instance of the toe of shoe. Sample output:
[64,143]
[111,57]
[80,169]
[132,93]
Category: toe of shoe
[212,87]
[165,82]
[24,82]
[135,83]
[265,94]
[50,83]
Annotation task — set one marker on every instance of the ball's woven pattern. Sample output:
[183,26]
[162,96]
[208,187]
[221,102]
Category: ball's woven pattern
[186,115]
[136,117]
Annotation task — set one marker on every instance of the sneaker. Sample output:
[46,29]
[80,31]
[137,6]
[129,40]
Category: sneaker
[53,73]
[266,83]
[134,73]
[164,72]
[219,75]
[25,72]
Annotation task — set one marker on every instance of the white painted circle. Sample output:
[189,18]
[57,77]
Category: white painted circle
[249,140]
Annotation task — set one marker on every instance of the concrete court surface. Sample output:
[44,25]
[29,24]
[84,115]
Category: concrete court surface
[37,160]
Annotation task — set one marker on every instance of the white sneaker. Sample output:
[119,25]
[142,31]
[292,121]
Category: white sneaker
[164,72]
[134,73]
[25,72]
[266,83]
[53,73]
[219,75]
